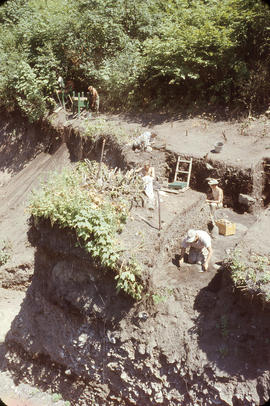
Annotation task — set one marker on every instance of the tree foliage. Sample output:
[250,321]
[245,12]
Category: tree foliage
[146,54]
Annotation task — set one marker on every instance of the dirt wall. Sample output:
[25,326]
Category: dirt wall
[233,180]
[128,353]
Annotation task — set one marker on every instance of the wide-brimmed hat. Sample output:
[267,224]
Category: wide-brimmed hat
[213,182]
[191,235]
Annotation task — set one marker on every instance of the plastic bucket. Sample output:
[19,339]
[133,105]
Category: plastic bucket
[218,146]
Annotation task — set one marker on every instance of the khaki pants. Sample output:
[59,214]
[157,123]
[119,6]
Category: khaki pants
[196,256]
[213,207]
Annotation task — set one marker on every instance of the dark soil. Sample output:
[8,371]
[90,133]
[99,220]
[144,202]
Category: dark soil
[196,342]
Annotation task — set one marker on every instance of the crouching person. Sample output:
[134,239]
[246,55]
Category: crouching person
[200,248]
[144,141]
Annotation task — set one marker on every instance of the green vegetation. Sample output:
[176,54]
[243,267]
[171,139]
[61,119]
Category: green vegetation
[143,54]
[56,397]
[250,273]
[5,251]
[161,295]
[107,129]
[97,213]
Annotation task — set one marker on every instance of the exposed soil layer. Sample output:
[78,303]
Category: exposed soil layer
[191,349]
[195,341]
[233,180]
[266,184]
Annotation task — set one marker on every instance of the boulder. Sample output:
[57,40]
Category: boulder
[246,200]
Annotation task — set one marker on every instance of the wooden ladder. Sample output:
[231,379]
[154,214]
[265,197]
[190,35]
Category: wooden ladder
[188,172]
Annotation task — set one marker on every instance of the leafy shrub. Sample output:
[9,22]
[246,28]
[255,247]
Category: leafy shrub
[100,127]
[74,200]
[143,55]
[250,273]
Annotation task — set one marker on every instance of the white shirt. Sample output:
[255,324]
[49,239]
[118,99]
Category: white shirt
[204,241]
[145,138]
[148,186]
[61,82]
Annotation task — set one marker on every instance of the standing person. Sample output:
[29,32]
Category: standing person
[200,248]
[94,102]
[148,177]
[147,170]
[149,190]
[217,201]
[61,84]
[143,142]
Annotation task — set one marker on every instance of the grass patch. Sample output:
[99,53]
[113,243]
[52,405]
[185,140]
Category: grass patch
[250,273]
[97,212]
[98,128]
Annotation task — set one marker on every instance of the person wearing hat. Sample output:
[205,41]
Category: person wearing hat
[200,248]
[147,170]
[217,193]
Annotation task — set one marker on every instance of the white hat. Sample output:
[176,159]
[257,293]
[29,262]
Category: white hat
[191,236]
[213,182]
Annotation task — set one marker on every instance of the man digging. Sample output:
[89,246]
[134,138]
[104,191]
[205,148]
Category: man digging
[200,248]
[143,142]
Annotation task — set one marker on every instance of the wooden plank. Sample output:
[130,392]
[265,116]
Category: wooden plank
[81,98]
[164,189]
[176,169]
[189,174]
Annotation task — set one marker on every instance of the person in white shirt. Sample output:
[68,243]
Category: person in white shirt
[217,201]
[200,248]
[148,177]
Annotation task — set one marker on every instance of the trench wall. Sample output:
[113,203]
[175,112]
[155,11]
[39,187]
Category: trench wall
[266,183]
[233,180]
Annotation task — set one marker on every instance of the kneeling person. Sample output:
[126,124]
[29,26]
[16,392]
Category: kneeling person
[143,142]
[200,248]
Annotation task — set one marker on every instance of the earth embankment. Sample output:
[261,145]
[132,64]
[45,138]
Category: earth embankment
[192,343]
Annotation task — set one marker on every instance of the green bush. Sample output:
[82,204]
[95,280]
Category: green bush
[250,273]
[74,200]
[95,129]
[138,54]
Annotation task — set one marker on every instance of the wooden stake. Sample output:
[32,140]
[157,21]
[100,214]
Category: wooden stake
[159,213]
[58,97]
[101,158]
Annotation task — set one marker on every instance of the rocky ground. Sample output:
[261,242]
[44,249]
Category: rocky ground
[199,343]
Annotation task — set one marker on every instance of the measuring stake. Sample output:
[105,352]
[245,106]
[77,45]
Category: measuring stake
[159,214]
[101,158]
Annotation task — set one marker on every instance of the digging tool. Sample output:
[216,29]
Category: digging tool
[146,221]
[58,98]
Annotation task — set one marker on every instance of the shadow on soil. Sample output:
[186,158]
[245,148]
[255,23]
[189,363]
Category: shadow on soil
[233,332]
[19,144]
[41,334]
[67,301]
[40,374]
